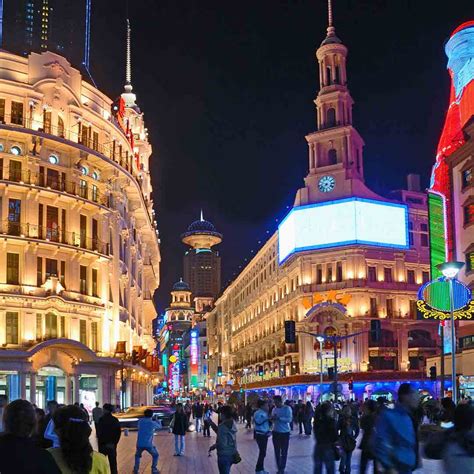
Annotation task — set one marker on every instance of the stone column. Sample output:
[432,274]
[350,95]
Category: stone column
[68,394]
[402,334]
[22,380]
[76,388]
[33,387]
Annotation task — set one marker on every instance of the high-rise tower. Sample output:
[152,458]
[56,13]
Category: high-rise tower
[202,264]
[335,148]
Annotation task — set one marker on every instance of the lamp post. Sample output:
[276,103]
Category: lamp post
[450,271]
[320,339]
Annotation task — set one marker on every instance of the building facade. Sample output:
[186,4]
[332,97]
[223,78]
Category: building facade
[80,253]
[451,193]
[332,286]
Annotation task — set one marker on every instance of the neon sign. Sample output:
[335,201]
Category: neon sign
[194,351]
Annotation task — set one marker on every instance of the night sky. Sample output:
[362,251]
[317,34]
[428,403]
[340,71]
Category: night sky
[227,89]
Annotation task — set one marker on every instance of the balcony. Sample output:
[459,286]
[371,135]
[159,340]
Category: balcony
[50,183]
[361,283]
[53,235]
[421,343]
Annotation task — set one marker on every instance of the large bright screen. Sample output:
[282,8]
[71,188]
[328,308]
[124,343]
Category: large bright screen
[343,222]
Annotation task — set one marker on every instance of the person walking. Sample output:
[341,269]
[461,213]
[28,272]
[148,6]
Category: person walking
[325,433]
[188,411]
[281,418]
[262,432]
[146,430]
[50,435]
[207,421]
[97,413]
[75,453]
[367,424]
[248,416]
[308,415]
[300,408]
[396,440]
[226,441]
[180,426]
[347,430]
[198,414]
[19,453]
[3,404]
[108,436]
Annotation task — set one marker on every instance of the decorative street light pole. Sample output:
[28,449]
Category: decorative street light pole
[450,271]
[320,339]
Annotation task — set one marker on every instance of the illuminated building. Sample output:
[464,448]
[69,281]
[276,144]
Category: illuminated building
[202,264]
[451,195]
[80,257]
[46,25]
[343,257]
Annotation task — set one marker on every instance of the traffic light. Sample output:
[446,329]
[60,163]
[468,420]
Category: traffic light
[375,330]
[331,373]
[351,385]
[260,370]
[433,374]
[290,332]
[219,370]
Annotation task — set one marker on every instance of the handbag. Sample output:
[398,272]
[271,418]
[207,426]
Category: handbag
[236,458]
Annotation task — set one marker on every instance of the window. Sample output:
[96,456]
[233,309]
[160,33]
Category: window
[13,269]
[15,150]
[467,177]
[469,214]
[17,113]
[14,216]
[387,274]
[328,75]
[373,306]
[15,170]
[62,328]
[94,282]
[329,274]
[84,170]
[425,277]
[83,280]
[47,121]
[339,271]
[39,326]
[83,331]
[53,159]
[337,79]
[2,110]
[332,157]
[411,239]
[372,273]
[11,329]
[95,141]
[424,240]
[319,275]
[95,193]
[411,277]
[94,336]
[413,309]
[39,271]
[96,175]
[331,117]
[51,268]
[62,277]
[51,326]
[390,307]
[470,260]
[83,230]
[60,127]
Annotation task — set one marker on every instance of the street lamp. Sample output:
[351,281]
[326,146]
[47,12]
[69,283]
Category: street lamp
[320,339]
[450,270]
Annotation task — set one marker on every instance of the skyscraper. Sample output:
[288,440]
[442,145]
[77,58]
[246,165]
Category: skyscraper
[46,25]
[202,264]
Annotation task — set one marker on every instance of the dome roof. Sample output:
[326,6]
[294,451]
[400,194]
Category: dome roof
[181,286]
[202,226]
[331,37]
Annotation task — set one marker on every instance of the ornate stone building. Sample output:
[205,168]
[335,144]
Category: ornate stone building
[335,288]
[79,259]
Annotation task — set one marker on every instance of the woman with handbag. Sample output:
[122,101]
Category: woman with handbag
[226,441]
[326,436]
[347,430]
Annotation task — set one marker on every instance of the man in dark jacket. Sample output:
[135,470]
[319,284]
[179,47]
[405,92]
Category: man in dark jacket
[108,436]
[18,452]
[325,433]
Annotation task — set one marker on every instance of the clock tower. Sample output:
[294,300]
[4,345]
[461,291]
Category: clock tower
[335,148]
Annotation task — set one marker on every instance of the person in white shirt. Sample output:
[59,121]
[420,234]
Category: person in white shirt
[281,419]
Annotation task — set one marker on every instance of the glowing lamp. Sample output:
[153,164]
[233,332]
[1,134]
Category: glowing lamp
[320,338]
[450,269]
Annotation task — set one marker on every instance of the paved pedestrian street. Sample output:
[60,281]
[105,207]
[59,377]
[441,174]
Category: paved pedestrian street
[196,459]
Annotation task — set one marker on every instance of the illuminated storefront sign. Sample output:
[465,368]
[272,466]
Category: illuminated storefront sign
[174,371]
[194,352]
[434,300]
[313,366]
[343,222]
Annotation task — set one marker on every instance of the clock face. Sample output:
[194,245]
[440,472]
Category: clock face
[326,184]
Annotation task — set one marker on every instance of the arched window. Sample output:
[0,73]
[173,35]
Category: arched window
[328,76]
[337,79]
[331,117]
[332,157]
[60,127]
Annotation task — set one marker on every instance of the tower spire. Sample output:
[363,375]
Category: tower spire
[331,31]
[202,216]
[330,13]
[128,96]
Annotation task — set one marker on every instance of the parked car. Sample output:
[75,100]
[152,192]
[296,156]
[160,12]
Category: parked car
[129,419]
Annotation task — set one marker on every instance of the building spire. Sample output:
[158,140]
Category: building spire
[331,31]
[202,216]
[128,96]
[330,13]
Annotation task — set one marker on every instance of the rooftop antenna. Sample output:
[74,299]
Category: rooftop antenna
[87,42]
[128,96]
[331,31]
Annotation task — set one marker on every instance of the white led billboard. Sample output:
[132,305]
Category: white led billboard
[343,222]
